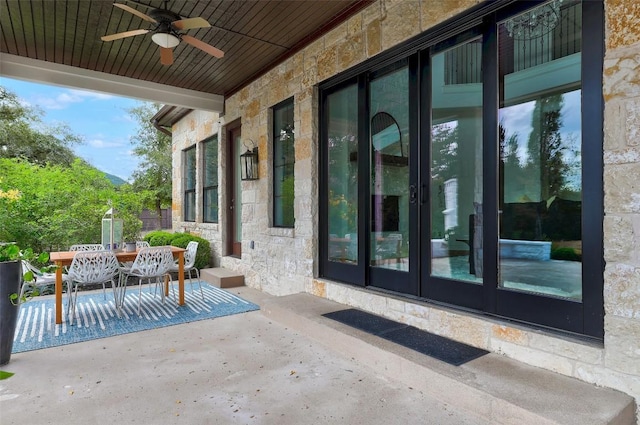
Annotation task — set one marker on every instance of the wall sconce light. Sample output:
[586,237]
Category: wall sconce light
[249,164]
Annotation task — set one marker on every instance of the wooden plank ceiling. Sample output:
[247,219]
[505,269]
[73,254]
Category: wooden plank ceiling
[254,35]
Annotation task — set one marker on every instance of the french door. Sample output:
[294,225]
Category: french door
[392,201]
[370,226]
[455,174]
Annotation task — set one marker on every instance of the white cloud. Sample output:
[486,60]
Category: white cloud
[124,118]
[103,144]
[66,98]
[92,94]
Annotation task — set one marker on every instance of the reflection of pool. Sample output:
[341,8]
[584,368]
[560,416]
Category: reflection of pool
[554,277]
[530,250]
[439,248]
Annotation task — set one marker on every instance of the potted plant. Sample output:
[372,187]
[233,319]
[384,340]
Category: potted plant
[11,278]
[131,228]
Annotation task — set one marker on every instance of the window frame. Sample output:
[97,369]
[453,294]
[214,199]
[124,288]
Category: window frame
[287,107]
[189,192]
[210,143]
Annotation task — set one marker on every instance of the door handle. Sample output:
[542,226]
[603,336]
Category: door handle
[413,194]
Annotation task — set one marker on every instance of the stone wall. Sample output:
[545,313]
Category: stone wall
[283,260]
[194,128]
[620,367]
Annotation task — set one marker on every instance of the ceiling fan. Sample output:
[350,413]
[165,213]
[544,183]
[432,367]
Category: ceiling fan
[167,31]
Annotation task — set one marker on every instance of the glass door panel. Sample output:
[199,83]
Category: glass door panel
[342,175]
[389,147]
[540,181]
[456,163]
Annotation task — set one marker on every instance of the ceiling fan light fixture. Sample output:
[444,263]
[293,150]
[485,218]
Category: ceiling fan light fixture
[166,40]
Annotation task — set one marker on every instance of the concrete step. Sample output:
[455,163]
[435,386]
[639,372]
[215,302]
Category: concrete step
[222,278]
[494,388]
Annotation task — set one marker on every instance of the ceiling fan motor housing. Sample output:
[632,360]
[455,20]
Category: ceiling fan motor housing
[165,18]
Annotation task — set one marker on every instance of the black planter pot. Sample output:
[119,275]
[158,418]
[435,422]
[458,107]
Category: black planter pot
[10,279]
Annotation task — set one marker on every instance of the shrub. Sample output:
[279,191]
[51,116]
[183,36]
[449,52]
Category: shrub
[159,238]
[181,240]
[568,254]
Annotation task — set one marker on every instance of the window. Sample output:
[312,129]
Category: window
[190,184]
[503,121]
[283,164]
[210,180]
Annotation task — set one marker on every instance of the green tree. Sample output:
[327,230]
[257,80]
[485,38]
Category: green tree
[153,179]
[24,135]
[545,147]
[57,205]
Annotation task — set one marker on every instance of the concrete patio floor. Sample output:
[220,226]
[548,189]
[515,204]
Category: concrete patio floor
[280,365]
[240,369]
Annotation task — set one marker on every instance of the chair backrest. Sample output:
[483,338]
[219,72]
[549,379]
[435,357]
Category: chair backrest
[190,254]
[87,247]
[142,244]
[389,245]
[93,266]
[153,261]
[28,267]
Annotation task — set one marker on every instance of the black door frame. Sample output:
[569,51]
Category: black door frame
[585,318]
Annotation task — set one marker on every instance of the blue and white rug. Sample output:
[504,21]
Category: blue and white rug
[97,317]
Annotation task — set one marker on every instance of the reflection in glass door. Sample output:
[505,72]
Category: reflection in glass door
[389,186]
[456,163]
[540,182]
[342,176]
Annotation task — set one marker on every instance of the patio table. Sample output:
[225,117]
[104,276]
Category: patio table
[64,258]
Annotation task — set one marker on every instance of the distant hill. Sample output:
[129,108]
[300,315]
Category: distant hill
[117,181]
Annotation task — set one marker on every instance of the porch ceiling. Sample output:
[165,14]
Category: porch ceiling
[58,42]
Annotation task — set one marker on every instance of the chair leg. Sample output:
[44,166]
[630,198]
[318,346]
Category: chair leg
[72,302]
[116,294]
[199,283]
[160,283]
[123,290]
[139,296]
[23,290]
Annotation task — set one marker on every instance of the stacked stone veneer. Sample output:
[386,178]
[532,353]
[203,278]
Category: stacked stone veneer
[191,130]
[285,260]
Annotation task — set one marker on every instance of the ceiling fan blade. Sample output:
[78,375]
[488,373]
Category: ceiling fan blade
[166,56]
[203,46]
[191,23]
[135,12]
[123,35]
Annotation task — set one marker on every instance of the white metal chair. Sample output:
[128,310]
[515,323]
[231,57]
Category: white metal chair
[388,248]
[40,280]
[150,263]
[92,267]
[189,264]
[87,247]
[142,244]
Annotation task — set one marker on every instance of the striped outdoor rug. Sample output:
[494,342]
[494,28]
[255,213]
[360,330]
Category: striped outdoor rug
[97,318]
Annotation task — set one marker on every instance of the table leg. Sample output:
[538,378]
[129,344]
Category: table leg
[59,294]
[181,277]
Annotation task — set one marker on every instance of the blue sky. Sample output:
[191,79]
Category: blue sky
[100,119]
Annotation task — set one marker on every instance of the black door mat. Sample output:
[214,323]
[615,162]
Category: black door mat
[439,347]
